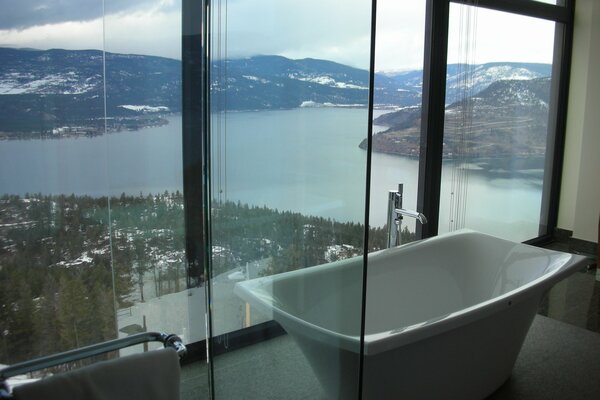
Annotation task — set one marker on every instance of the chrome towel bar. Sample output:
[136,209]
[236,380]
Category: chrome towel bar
[168,340]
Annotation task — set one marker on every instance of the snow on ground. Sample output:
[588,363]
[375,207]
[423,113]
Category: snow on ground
[184,313]
[314,104]
[327,81]
[255,78]
[83,259]
[69,83]
[145,108]
[18,380]
[181,313]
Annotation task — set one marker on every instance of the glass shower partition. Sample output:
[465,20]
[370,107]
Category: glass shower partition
[289,94]
[91,221]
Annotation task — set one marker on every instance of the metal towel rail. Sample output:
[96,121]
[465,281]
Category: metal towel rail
[168,340]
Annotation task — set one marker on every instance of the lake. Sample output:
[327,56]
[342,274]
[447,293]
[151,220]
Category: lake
[304,160]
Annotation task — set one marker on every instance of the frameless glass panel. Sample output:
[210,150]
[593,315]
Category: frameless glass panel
[496,125]
[397,115]
[399,46]
[144,167]
[57,290]
[289,96]
[91,228]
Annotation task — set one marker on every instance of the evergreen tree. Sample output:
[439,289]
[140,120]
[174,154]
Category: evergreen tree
[19,327]
[47,339]
[105,313]
[74,313]
[141,266]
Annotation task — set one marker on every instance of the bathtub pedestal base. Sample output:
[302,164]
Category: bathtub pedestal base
[466,363]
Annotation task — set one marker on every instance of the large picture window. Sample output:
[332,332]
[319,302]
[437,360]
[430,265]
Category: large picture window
[496,122]
[154,155]
[493,119]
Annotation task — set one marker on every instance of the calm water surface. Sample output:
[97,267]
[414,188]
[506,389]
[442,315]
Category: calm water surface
[305,160]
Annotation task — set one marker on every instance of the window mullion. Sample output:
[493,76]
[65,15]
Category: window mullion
[433,108]
[531,8]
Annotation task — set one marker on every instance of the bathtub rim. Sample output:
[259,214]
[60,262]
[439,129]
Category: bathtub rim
[375,343]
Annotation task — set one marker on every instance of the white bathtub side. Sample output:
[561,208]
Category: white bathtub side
[458,336]
[469,362]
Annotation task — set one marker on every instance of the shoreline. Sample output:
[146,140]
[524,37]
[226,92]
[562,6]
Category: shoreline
[125,124]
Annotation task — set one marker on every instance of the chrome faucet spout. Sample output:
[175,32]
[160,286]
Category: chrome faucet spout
[413,214]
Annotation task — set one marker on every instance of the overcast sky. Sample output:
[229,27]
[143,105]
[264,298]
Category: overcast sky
[337,30]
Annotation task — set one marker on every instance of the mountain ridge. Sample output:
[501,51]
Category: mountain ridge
[43,90]
[508,118]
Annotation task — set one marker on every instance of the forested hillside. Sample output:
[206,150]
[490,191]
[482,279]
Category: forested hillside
[60,259]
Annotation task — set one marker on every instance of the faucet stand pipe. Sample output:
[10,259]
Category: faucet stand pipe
[395,215]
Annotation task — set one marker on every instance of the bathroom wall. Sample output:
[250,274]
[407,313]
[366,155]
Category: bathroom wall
[580,190]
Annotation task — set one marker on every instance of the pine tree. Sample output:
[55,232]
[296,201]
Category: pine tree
[47,339]
[74,313]
[141,265]
[105,313]
[19,329]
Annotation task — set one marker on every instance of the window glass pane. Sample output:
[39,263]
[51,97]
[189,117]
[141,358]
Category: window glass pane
[289,110]
[91,221]
[496,125]
[397,114]
[56,277]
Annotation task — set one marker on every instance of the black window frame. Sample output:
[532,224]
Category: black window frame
[434,92]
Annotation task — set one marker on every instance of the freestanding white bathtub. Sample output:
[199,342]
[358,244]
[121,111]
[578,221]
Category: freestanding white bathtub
[445,317]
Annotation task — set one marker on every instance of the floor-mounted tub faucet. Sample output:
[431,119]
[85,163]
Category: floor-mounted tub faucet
[395,215]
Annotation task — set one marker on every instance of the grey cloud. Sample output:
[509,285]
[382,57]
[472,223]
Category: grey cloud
[21,14]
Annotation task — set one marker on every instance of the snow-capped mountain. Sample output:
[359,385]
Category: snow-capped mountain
[41,90]
[50,72]
[154,81]
[509,117]
[274,82]
[519,93]
[462,79]
[473,79]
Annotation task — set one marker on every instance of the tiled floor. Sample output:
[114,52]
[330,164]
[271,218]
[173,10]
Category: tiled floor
[559,360]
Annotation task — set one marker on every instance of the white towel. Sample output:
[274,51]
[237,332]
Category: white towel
[147,376]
